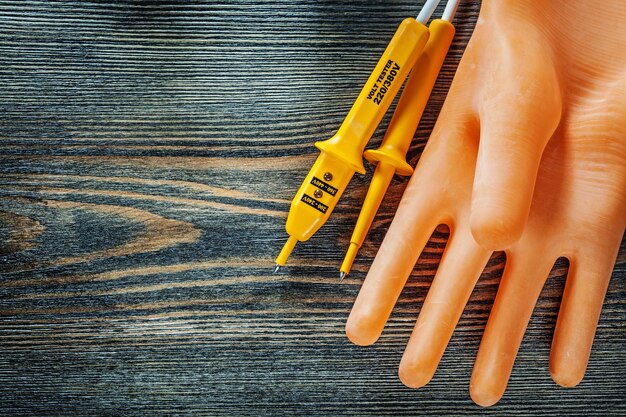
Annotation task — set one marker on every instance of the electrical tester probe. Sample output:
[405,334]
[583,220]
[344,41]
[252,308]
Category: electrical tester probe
[390,157]
[342,155]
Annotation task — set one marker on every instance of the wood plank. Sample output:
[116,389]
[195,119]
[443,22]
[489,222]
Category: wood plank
[149,151]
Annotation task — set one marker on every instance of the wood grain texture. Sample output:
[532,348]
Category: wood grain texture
[148,154]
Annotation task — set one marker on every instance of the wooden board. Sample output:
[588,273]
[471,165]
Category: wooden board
[149,151]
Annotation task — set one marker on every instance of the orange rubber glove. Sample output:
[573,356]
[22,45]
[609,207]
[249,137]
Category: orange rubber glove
[528,154]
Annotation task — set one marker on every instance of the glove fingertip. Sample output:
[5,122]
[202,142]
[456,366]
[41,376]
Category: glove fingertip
[360,332]
[492,230]
[486,393]
[414,375]
[566,373]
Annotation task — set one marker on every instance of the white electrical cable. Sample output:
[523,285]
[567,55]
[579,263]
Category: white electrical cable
[427,11]
[448,13]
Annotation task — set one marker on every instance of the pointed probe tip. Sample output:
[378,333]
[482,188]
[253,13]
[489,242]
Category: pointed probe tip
[342,275]
[276,268]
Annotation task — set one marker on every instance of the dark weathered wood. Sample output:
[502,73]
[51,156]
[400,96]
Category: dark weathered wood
[148,153]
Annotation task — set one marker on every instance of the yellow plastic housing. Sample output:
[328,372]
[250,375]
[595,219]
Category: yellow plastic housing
[414,98]
[317,196]
[342,155]
[348,143]
[391,155]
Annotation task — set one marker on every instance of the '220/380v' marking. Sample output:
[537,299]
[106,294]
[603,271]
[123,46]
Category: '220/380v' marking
[383,82]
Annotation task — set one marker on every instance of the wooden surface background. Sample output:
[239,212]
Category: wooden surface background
[148,154]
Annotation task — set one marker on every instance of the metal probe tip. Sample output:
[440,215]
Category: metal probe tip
[342,275]
[276,268]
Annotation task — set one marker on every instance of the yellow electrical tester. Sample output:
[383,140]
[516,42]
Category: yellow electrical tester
[390,157]
[342,155]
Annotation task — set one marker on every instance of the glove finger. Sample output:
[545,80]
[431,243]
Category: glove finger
[442,172]
[587,281]
[408,234]
[524,276]
[459,270]
[519,110]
